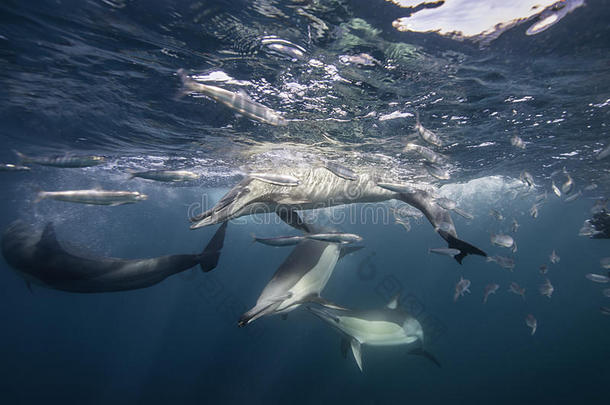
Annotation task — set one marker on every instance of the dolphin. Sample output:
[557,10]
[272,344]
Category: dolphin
[41,259]
[320,188]
[299,279]
[390,326]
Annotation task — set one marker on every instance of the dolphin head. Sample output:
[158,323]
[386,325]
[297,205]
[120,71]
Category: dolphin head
[245,196]
[413,329]
[326,314]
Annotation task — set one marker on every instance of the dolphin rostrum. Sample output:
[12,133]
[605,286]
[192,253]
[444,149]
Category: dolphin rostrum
[41,259]
[320,188]
[299,279]
[389,326]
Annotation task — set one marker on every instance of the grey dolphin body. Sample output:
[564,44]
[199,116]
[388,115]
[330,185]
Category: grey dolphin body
[299,279]
[389,326]
[321,188]
[41,259]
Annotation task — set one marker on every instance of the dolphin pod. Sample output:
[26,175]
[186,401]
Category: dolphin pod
[41,259]
[320,188]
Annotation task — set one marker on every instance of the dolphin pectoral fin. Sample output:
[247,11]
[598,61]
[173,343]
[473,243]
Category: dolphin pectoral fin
[357,353]
[465,248]
[292,218]
[344,347]
[211,253]
[346,250]
[418,351]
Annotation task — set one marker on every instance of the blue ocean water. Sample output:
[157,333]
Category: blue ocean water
[99,77]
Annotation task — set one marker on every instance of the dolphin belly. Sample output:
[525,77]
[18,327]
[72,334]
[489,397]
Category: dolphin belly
[314,281]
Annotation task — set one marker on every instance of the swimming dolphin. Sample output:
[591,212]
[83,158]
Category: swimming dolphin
[41,259]
[299,279]
[321,188]
[389,326]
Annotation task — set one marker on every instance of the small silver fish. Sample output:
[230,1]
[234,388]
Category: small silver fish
[427,153]
[514,247]
[335,237]
[514,226]
[541,197]
[534,211]
[404,222]
[573,197]
[606,292]
[604,310]
[604,153]
[502,261]
[547,288]
[597,278]
[502,240]
[362,59]
[94,197]
[165,175]
[496,214]
[437,172]
[9,167]
[590,187]
[445,226]
[599,206]
[341,171]
[554,257]
[397,187]
[280,240]
[490,289]
[516,289]
[446,203]
[527,178]
[531,322]
[444,251]
[461,288]
[588,229]
[239,102]
[426,134]
[517,142]
[405,211]
[605,262]
[566,188]
[463,213]
[284,180]
[65,161]
[555,189]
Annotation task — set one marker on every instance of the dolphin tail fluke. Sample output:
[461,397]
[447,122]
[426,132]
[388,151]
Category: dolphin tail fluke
[465,248]
[425,354]
[208,260]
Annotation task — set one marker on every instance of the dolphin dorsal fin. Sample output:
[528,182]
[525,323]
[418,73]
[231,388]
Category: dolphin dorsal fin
[356,352]
[48,237]
[393,304]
